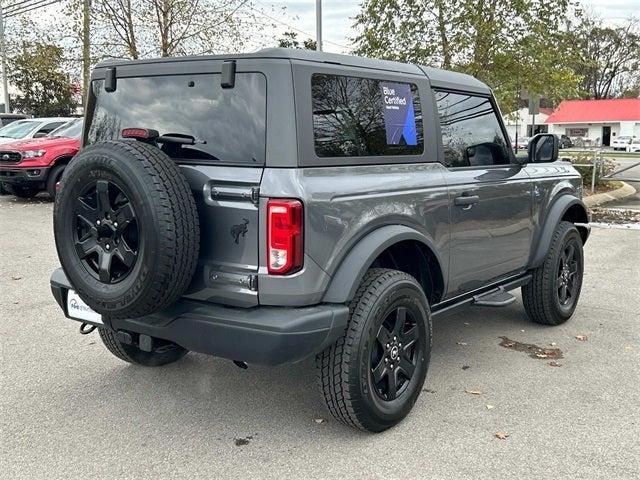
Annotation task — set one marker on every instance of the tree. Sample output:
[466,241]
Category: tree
[289,39]
[45,89]
[511,45]
[608,57]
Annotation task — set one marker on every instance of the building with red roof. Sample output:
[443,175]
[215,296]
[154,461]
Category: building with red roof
[597,122]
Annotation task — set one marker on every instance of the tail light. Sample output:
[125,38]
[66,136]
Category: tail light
[284,236]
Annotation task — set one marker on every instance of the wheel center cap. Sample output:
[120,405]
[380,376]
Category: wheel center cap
[394,352]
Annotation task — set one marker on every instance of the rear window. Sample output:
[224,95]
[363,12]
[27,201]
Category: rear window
[355,117]
[228,124]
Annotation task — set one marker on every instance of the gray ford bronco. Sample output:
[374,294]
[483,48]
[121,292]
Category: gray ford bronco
[270,207]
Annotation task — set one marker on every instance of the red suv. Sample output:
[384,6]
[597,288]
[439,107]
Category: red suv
[30,166]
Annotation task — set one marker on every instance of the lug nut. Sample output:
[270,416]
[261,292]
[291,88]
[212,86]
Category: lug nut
[391,366]
[386,360]
[115,224]
[394,339]
[98,222]
[107,246]
[400,345]
[387,345]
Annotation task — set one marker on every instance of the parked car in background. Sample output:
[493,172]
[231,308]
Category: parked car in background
[564,141]
[634,146]
[621,142]
[7,118]
[522,143]
[30,166]
[31,128]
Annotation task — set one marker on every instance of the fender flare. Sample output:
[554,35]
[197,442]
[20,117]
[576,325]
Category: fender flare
[344,283]
[556,212]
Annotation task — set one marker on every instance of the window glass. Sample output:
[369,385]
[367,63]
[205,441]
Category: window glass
[228,124]
[471,133]
[19,129]
[354,117]
[73,129]
[50,127]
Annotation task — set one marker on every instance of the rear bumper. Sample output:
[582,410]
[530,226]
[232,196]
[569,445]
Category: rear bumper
[259,335]
[32,176]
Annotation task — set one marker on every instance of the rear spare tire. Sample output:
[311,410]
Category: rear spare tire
[126,228]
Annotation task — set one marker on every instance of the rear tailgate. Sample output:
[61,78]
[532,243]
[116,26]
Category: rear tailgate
[227,201]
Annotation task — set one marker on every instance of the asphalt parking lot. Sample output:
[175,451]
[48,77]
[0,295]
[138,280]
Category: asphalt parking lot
[68,409]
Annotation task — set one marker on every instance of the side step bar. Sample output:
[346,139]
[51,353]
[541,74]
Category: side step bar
[495,298]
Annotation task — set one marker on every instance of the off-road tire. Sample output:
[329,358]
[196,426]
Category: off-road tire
[167,225]
[540,296]
[54,177]
[166,354]
[3,189]
[343,372]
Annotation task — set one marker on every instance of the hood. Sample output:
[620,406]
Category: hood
[38,143]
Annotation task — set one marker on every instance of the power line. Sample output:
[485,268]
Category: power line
[16,7]
[259,12]
[29,8]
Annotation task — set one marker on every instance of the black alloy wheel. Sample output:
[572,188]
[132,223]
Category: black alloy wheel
[106,231]
[567,275]
[395,354]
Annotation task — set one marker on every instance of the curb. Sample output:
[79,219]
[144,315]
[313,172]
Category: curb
[625,190]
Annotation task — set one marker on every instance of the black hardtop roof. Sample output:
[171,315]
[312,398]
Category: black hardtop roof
[438,77]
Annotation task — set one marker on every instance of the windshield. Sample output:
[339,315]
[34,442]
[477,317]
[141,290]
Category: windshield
[73,129]
[19,129]
[226,124]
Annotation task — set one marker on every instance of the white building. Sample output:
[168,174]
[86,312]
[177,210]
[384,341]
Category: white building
[597,122]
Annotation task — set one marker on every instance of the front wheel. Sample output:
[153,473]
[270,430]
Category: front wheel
[552,295]
[163,355]
[371,377]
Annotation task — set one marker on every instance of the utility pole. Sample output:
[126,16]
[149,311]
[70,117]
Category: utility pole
[319,25]
[86,51]
[3,53]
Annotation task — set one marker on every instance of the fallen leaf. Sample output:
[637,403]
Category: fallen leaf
[501,435]
[541,355]
[555,364]
[464,344]
[428,391]
[466,367]
[467,323]
[489,407]
[318,420]
[627,347]
[553,344]
[473,392]
[16,278]
[581,338]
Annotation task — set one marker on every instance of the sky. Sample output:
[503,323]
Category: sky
[338,17]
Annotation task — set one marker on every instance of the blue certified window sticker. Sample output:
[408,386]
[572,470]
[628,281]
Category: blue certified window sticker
[399,117]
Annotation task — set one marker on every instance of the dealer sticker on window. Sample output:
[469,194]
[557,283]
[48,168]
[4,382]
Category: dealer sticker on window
[399,116]
[79,310]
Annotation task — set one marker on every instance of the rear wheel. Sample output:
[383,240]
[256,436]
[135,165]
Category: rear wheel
[552,295]
[371,377]
[168,353]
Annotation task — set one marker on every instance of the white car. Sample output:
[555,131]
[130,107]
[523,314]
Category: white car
[634,146]
[621,142]
[31,128]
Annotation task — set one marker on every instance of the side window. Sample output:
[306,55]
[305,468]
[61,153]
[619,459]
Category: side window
[471,133]
[50,127]
[355,117]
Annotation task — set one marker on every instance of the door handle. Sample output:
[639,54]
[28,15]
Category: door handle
[466,200]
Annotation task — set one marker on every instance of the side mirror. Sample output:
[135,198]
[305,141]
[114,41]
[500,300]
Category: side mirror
[40,135]
[543,148]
